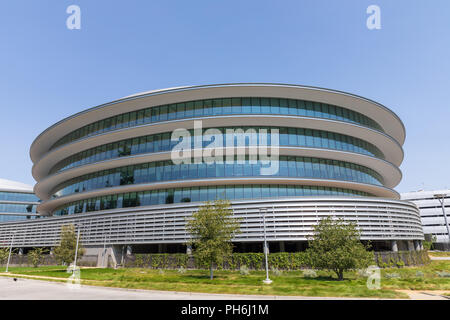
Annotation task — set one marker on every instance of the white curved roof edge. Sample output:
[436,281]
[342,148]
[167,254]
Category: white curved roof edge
[182,88]
[14,186]
[151,92]
[423,194]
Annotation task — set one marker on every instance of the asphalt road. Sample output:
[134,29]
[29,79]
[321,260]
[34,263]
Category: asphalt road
[28,289]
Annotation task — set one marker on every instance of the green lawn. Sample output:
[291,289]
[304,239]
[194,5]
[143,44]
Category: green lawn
[289,283]
[439,253]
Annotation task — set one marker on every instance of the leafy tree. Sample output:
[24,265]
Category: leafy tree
[65,252]
[4,252]
[428,245]
[36,256]
[336,247]
[212,228]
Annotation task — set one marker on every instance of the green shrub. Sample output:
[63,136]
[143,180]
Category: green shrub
[280,260]
[363,273]
[420,274]
[392,275]
[309,273]
[400,263]
[36,256]
[392,262]
[276,272]
[139,261]
[244,271]
[443,274]
[299,260]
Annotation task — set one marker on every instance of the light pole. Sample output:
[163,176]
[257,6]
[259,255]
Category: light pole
[10,250]
[76,250]
[441,198]
[263,211]
[104,251]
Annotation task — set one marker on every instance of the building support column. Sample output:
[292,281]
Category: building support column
[189,250]
[129,250]
[20,251]
[410,245]
[282,248]
[394,245]
[417,245]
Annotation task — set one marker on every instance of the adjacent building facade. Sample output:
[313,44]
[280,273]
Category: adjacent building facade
[294,153]
[17,203]
[432,206]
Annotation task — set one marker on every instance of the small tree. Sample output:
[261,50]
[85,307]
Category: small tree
[336,247]
[429,245]
[4,252]
[36,256]
[65,252]
[212,228]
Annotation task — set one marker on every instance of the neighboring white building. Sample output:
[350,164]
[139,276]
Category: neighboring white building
[431,213]
[17,201]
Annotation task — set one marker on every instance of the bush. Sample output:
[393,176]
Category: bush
[443,274]
[280,260]
[309,273]
[400,263]
[244,271]
[363,273]
[276,272]
[419,274]
[427,245]
[392,275]
[251,260]
[36,256]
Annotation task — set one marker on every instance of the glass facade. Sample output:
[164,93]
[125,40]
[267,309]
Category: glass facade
[297,137]
[18,197]
[289,166]
[23,203]
[194,194]
[10,218]
[223,106]
[18,208]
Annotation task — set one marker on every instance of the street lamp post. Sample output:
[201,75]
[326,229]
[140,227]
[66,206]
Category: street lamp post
[263,211]
[76,250]
[10,250]
[441,198]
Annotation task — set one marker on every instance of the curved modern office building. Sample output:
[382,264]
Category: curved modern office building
[129,172]
[17,201]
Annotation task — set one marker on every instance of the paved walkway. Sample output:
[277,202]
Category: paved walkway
[28,289]
[440,258]
[426,294]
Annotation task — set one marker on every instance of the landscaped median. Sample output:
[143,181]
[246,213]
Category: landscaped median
[440,254]
[433,276]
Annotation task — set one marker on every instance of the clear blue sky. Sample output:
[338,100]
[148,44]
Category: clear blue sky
[48,72]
